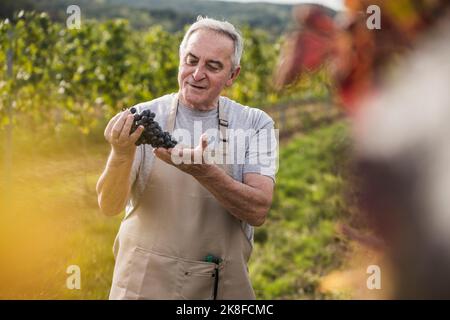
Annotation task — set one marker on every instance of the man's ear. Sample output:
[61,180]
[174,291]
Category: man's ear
[233,76]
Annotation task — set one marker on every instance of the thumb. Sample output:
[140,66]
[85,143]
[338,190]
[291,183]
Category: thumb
[203,143]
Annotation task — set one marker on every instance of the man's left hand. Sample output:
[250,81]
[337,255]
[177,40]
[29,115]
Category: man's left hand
[188,160]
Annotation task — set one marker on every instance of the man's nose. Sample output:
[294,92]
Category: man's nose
[198,74]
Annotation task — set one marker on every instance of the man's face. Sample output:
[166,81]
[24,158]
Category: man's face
[205,69]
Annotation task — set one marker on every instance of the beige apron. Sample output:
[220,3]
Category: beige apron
[161,246]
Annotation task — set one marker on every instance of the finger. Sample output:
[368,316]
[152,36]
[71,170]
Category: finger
[161,153]
[203,141]
[174,155]
[135,135]
[110,124]
[117,128]
[125,133]
[158,152]
[166,152]
[187,155]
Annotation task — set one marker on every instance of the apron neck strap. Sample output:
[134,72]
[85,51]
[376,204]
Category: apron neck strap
[223,122]
[172,114]
[223,129]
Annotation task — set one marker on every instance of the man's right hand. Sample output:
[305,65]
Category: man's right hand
[113,186]
[117,133]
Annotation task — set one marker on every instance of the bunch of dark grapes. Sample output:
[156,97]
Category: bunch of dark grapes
[152,133]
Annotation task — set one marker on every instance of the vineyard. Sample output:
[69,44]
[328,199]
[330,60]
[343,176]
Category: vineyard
[58,89]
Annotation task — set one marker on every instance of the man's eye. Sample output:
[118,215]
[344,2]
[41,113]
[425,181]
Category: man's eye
[191,61]
[213,67]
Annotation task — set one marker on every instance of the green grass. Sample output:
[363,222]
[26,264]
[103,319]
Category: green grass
[297,245]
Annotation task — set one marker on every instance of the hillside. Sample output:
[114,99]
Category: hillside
[172,14]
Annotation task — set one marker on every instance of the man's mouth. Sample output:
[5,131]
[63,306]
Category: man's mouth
[196,86]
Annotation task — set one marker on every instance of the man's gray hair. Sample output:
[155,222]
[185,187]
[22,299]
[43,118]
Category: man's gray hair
[223,27]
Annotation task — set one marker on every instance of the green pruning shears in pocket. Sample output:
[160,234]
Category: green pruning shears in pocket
[213,259]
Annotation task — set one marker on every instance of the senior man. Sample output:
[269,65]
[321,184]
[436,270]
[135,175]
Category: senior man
[188,226]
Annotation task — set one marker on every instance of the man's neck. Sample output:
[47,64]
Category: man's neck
[199,107]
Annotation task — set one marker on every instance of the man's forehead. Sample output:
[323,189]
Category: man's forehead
[209,43]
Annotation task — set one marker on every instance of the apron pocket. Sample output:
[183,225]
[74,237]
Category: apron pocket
[152,275]
[197,281]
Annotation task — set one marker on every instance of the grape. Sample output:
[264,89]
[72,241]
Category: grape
[153,133]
